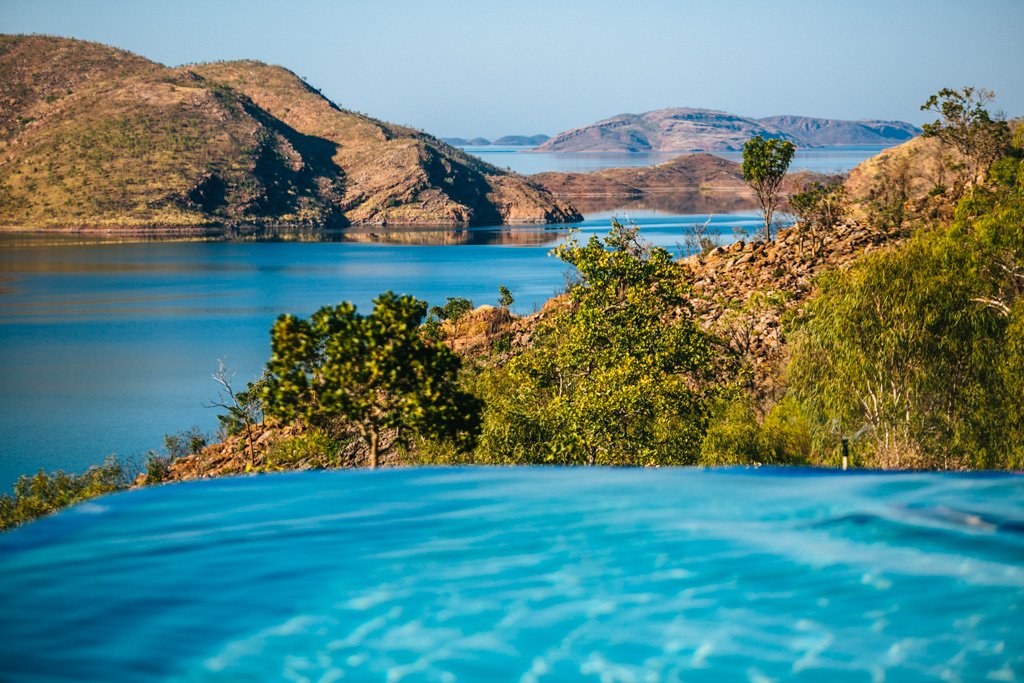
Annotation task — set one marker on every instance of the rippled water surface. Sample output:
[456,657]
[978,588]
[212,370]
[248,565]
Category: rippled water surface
[525,575]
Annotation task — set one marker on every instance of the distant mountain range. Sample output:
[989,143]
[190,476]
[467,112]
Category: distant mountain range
[96,137]
[695,130]
[506,141]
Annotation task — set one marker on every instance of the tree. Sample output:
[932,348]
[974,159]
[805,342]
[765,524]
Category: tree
[888,196]
[454,310]
[242,408]
[374,372]
[696,239]
[967,125]
[505,299]
[622,375]
[820,208]
[765,163]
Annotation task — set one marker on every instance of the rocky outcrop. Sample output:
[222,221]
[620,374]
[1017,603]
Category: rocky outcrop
[742,291]
[664,130]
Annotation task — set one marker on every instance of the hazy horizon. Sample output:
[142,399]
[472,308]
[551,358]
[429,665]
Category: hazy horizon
[492,69]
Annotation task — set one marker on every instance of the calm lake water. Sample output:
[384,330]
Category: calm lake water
[105,347]
[525,575]
[524,160]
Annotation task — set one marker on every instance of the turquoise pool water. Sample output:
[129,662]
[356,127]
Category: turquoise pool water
[525,575]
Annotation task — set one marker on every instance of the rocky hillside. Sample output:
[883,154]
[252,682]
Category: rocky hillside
[741,292]
[692,130]
[95,137]
[812,132]
[664,130]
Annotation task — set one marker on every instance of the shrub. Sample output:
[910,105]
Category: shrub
[43,494]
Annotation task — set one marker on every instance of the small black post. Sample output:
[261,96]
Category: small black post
[846,453]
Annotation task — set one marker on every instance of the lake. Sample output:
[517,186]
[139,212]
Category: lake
[106,345]
[522,574]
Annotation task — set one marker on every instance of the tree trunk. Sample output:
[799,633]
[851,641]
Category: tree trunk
[374,438]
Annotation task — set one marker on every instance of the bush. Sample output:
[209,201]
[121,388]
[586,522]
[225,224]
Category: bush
[313,449]
[43,494]
[184,443]
[737,437]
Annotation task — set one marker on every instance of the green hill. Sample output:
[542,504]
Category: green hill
[92,136]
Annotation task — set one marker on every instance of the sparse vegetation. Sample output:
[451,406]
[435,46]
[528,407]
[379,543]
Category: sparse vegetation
[146,146]
[819,208]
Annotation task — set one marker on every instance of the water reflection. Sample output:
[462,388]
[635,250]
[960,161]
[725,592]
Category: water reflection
[679,203]
[514,236]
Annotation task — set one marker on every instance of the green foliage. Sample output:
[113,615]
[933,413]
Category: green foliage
[765,163]
[505,299]
[967,125]
[622,376]
[372,372]
[916,346]
[820,208]
[43,494]
[454,310]
[735,436]
[887,199]
[185,443]
[313,449]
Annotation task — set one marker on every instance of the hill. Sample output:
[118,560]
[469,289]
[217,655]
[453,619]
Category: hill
[521,140]
[812,132]
[664,130]
[504,141]
[96,137]
[693,130]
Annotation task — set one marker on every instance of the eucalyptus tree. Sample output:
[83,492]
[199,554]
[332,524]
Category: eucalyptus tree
[966,124]
[765,162]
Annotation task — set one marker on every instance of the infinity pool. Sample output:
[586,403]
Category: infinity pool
[525,575]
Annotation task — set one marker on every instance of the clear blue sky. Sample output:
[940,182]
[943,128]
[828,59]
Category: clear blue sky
[483,67]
